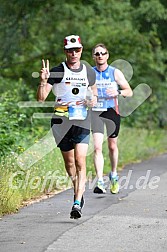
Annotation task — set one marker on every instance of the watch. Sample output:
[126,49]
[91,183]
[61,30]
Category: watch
[119,92]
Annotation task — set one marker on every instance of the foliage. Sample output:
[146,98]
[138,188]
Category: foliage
[132,30]
[17,129]
[10,120]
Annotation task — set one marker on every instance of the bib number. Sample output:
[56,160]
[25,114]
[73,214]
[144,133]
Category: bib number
[77,113]
[100,106]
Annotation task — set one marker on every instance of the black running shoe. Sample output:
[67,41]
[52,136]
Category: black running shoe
[76,212]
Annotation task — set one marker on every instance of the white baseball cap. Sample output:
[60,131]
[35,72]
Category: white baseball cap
[72,41]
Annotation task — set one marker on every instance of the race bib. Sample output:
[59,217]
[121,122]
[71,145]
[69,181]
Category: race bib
[100,106]
[77,113]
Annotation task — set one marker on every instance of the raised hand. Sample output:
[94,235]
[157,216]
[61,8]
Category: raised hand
[45,71]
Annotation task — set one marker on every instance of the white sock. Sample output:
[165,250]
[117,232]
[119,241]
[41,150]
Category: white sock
[113,174]
[101,180]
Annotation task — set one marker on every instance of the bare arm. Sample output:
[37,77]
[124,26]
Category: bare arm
[95,95]
[43,91]
[94,89]
[44,88]
[122,82]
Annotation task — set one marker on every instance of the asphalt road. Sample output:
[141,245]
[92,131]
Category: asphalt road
[133,220]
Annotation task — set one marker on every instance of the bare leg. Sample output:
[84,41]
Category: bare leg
[80,163]
[69,160]
[113,153]
[98,155]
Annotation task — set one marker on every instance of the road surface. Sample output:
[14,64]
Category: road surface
[133,220]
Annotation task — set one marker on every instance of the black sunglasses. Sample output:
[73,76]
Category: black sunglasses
[71,50]
[100,53]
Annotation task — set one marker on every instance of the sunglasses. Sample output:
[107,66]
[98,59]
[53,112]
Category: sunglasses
[71,50]
[100,53]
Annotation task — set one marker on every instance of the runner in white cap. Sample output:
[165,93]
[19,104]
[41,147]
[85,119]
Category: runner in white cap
[71,121]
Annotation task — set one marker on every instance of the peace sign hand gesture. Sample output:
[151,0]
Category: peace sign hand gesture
[45,71]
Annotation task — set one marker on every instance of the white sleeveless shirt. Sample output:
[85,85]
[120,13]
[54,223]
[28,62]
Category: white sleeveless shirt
[73,86]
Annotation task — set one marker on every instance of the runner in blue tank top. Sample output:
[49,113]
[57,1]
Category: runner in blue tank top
[110,83]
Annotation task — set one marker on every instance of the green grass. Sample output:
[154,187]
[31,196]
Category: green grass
[137,145]
[18,185]
[134,146]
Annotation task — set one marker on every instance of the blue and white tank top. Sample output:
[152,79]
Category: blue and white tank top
[105,80]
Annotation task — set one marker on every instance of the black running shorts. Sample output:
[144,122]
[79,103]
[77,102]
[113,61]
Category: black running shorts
[109,118]
[68,133]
